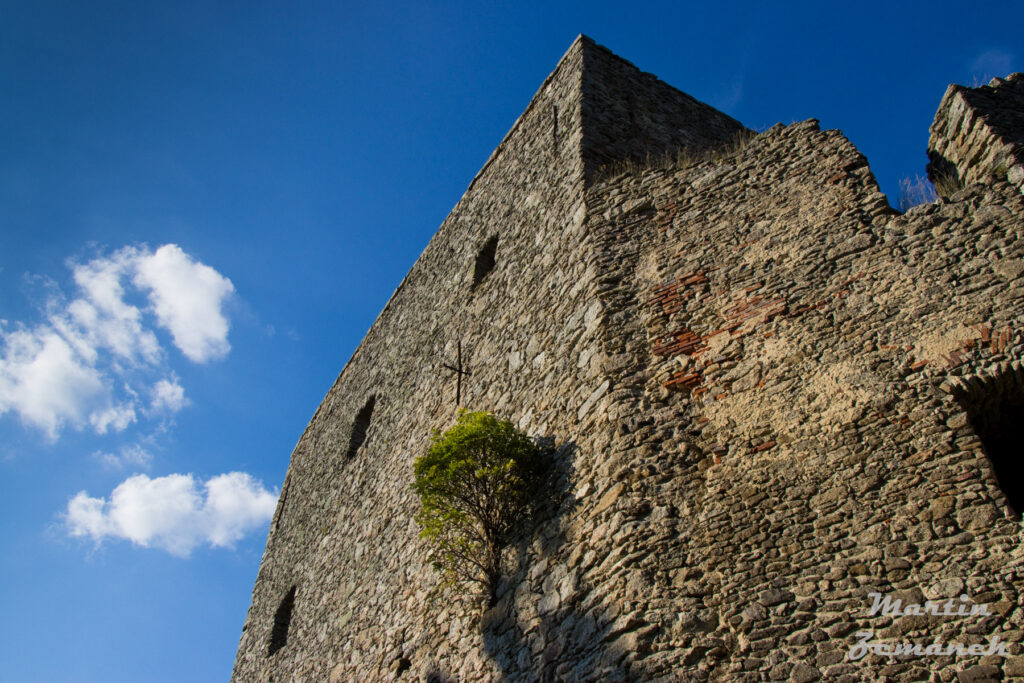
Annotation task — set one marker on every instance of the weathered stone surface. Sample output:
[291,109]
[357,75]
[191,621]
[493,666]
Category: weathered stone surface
[762,387]
[978,134]
[804,673]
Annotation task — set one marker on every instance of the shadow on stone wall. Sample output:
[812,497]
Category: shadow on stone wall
[561,625]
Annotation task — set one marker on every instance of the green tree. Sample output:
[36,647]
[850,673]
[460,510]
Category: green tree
[477,483]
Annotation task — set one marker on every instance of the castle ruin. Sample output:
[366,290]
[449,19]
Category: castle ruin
[782,414]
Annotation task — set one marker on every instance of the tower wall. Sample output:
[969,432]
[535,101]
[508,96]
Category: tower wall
[629,115]
[343,535]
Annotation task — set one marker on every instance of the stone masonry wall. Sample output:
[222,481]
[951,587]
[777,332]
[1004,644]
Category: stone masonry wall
[631,115]
[763,389]
[980,131]
[343,535]
[803,437]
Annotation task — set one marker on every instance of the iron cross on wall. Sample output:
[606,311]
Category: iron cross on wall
[460,371]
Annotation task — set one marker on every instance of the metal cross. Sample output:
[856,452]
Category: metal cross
[459,371]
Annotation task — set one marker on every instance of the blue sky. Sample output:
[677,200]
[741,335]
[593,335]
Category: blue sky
[203,206]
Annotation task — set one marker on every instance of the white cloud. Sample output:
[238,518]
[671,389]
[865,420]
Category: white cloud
[235,504]
[106,320]
[46,382]
[116,418]
[168,396]
[173,513]
[133,454]
[77,369]
[187,297]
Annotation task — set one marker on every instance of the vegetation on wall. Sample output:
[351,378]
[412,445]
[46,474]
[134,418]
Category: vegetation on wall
[682,157]
[477,484]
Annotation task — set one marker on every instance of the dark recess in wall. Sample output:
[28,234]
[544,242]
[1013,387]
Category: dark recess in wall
[282,620]
[485,260]
[997,415]
[361,425]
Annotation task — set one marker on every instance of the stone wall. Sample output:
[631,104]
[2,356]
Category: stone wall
[629,115]
[343,534]
[763,389]
[804,438]
[979,132]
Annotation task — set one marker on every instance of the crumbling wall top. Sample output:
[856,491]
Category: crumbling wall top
[978,132]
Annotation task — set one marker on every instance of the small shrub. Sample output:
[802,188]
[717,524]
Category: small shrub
[948,183]
[477,483]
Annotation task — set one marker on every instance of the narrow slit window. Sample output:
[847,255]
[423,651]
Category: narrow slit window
[282,620]
[996,413]
[554,128]
[360,427]
[485,260]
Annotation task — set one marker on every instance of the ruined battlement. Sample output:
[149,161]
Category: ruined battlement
[979,132]
[768,394]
